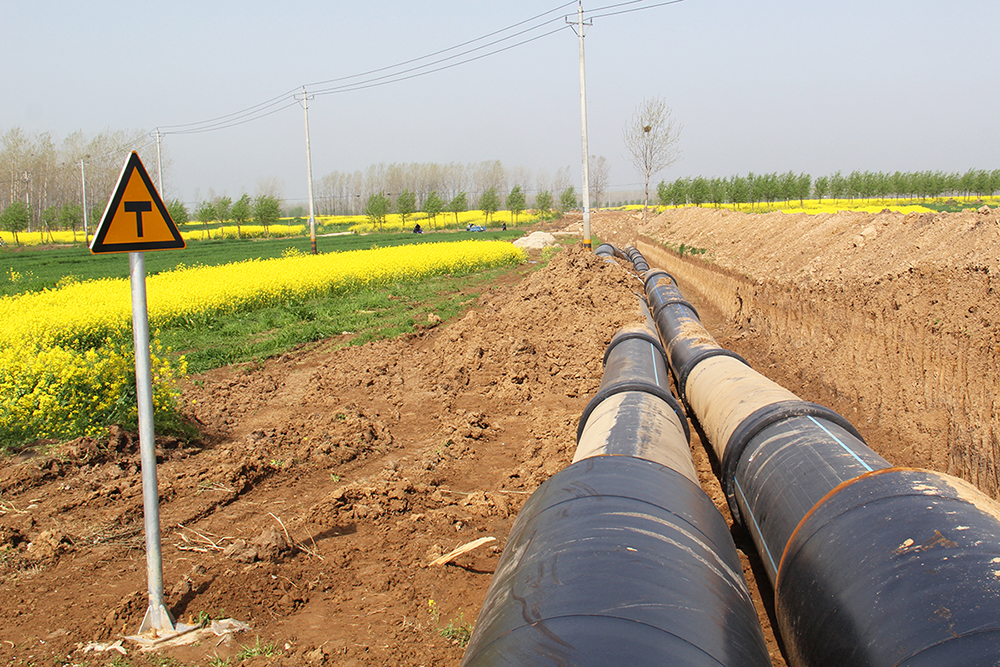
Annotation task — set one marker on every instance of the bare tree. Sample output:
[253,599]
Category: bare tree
[599,172]
[542,181]
[563,179]
[272,187]
[651,137]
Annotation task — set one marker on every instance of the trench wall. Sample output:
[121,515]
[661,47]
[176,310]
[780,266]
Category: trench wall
[929,382]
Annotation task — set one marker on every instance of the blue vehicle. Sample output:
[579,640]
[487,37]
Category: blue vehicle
[474,228]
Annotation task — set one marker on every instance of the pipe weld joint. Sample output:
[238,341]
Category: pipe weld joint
[681,375]
[675,301]
[757,422]
[633,334]
[605,250]
[633,385]
[656,274]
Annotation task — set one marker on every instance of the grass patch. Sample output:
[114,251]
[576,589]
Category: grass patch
[954,206]
[362,316]
[684,249]
[458,631]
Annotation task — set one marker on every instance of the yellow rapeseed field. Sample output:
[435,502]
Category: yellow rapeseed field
[194,231]
[64,352]
[360,224]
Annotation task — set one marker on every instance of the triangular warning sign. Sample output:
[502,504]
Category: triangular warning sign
[136,219]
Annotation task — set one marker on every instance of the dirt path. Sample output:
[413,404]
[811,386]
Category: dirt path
[376,459]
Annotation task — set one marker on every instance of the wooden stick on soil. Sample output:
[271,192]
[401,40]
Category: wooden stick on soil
[292,543]
[465,548]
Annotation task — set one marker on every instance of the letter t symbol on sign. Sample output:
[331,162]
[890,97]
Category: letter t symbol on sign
[138,207]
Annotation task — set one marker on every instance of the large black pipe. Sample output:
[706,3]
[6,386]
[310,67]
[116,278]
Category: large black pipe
[621,558]
[905,566]
[687,341]
[786,468]
[638,261]
[605,250]
[617,560]
[635,362]
[871,565]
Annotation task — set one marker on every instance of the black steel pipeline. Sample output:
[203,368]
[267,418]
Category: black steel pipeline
[638,261]
[610,253]
[605,250]
[871,565]
[621,558]
[618,561]
[906,564]
[774,478]
[686,341]
[634,362]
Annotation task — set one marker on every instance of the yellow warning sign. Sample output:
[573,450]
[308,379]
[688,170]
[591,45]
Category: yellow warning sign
[136,219]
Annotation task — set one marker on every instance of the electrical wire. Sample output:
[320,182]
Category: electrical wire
[393,73]
[271,106]
[397,77]
[450,48]
[257,108]
[636,9]
[221,125]
[128,146]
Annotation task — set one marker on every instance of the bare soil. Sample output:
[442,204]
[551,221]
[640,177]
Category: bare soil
[328,479]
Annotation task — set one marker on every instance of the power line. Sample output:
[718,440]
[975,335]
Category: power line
[177,129]
[394,74]
[238,120]
[268,107]
[635,9]
[387,79]
[450,48]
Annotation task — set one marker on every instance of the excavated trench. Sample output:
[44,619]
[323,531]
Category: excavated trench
[899,330]
[798,477]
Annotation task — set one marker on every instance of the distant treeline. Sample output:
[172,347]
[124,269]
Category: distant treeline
[774,187]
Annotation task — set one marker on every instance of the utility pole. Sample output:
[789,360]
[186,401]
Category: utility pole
[309,174]
[27,197]
[83,182]
[583,122]
[159,167]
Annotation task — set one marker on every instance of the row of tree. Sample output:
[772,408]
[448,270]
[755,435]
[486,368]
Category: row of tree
[348,193]
[42,173]
[379,205]
[263,210]
[789,186]
[48,177]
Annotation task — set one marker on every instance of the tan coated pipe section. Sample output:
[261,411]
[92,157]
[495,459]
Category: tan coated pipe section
[723,392]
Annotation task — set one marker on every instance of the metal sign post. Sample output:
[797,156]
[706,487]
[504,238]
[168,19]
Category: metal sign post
[124,229]
[157,615]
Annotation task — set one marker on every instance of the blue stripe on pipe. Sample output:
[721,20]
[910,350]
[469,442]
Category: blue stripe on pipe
[846,448]
[753,520]
[656,372]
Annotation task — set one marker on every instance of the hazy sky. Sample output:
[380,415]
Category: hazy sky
[758,85]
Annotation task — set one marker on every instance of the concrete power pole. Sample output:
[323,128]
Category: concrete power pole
[309,174]
[583,122]
[83,184]
[159,165]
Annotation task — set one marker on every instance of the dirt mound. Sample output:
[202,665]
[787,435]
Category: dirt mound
[891,319]
[326,482]
[329,479]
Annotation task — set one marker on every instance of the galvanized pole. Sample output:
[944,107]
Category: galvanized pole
[157,615]
[309,173]
[83,181]
[159,167]
[583,123]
